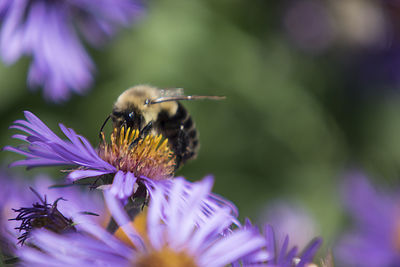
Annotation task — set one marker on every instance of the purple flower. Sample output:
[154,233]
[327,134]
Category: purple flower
[15,194]
[48,31]
[275,255]
[45,148]
[41,214]
[175,232]
[374,240]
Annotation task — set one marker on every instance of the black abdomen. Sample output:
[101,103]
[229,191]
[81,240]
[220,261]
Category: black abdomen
[181,133]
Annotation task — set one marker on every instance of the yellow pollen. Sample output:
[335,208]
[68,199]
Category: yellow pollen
[151,156]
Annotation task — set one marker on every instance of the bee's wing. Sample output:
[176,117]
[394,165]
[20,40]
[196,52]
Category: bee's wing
[174,94]
[170,92]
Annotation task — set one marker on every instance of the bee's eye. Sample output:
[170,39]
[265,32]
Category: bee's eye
[131,115]
[146,102]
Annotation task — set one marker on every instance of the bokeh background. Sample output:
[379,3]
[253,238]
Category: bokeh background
[312,92]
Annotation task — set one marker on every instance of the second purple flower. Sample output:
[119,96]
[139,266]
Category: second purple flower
[48,31]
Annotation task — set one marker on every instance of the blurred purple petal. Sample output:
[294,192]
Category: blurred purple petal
[374,239]
[48,31]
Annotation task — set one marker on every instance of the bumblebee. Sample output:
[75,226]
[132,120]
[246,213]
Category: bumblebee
[158,111]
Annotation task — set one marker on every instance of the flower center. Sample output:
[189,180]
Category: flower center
[149,156]
[165,257]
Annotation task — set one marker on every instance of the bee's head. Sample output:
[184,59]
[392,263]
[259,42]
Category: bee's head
[131,117]
[132,107]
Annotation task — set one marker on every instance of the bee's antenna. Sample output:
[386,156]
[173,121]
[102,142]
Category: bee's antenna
[185,97]
[102,126]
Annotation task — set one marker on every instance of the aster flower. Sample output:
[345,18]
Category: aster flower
[148,164]
[47,149]
[42,215]
[174,231]
[276,255]
[49,31]
[374,239]
[15,194]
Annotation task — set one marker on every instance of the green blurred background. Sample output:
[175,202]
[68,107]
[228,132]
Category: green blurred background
[299,111]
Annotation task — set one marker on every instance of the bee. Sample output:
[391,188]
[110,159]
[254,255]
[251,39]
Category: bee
[158,111]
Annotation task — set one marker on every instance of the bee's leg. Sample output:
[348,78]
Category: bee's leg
[142,133]
[94,184]
[146,129]
[102,127]
[134,142]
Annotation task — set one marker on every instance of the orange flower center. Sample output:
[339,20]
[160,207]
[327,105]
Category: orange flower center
[166,257]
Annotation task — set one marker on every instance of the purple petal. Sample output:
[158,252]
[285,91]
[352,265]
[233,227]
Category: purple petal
[270,237]
[214,226]
[118,187]
[130,181]
[11,44]
[79,174]
[227,250]
[154,216]
[47,149]
[310,252]
[283,250]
